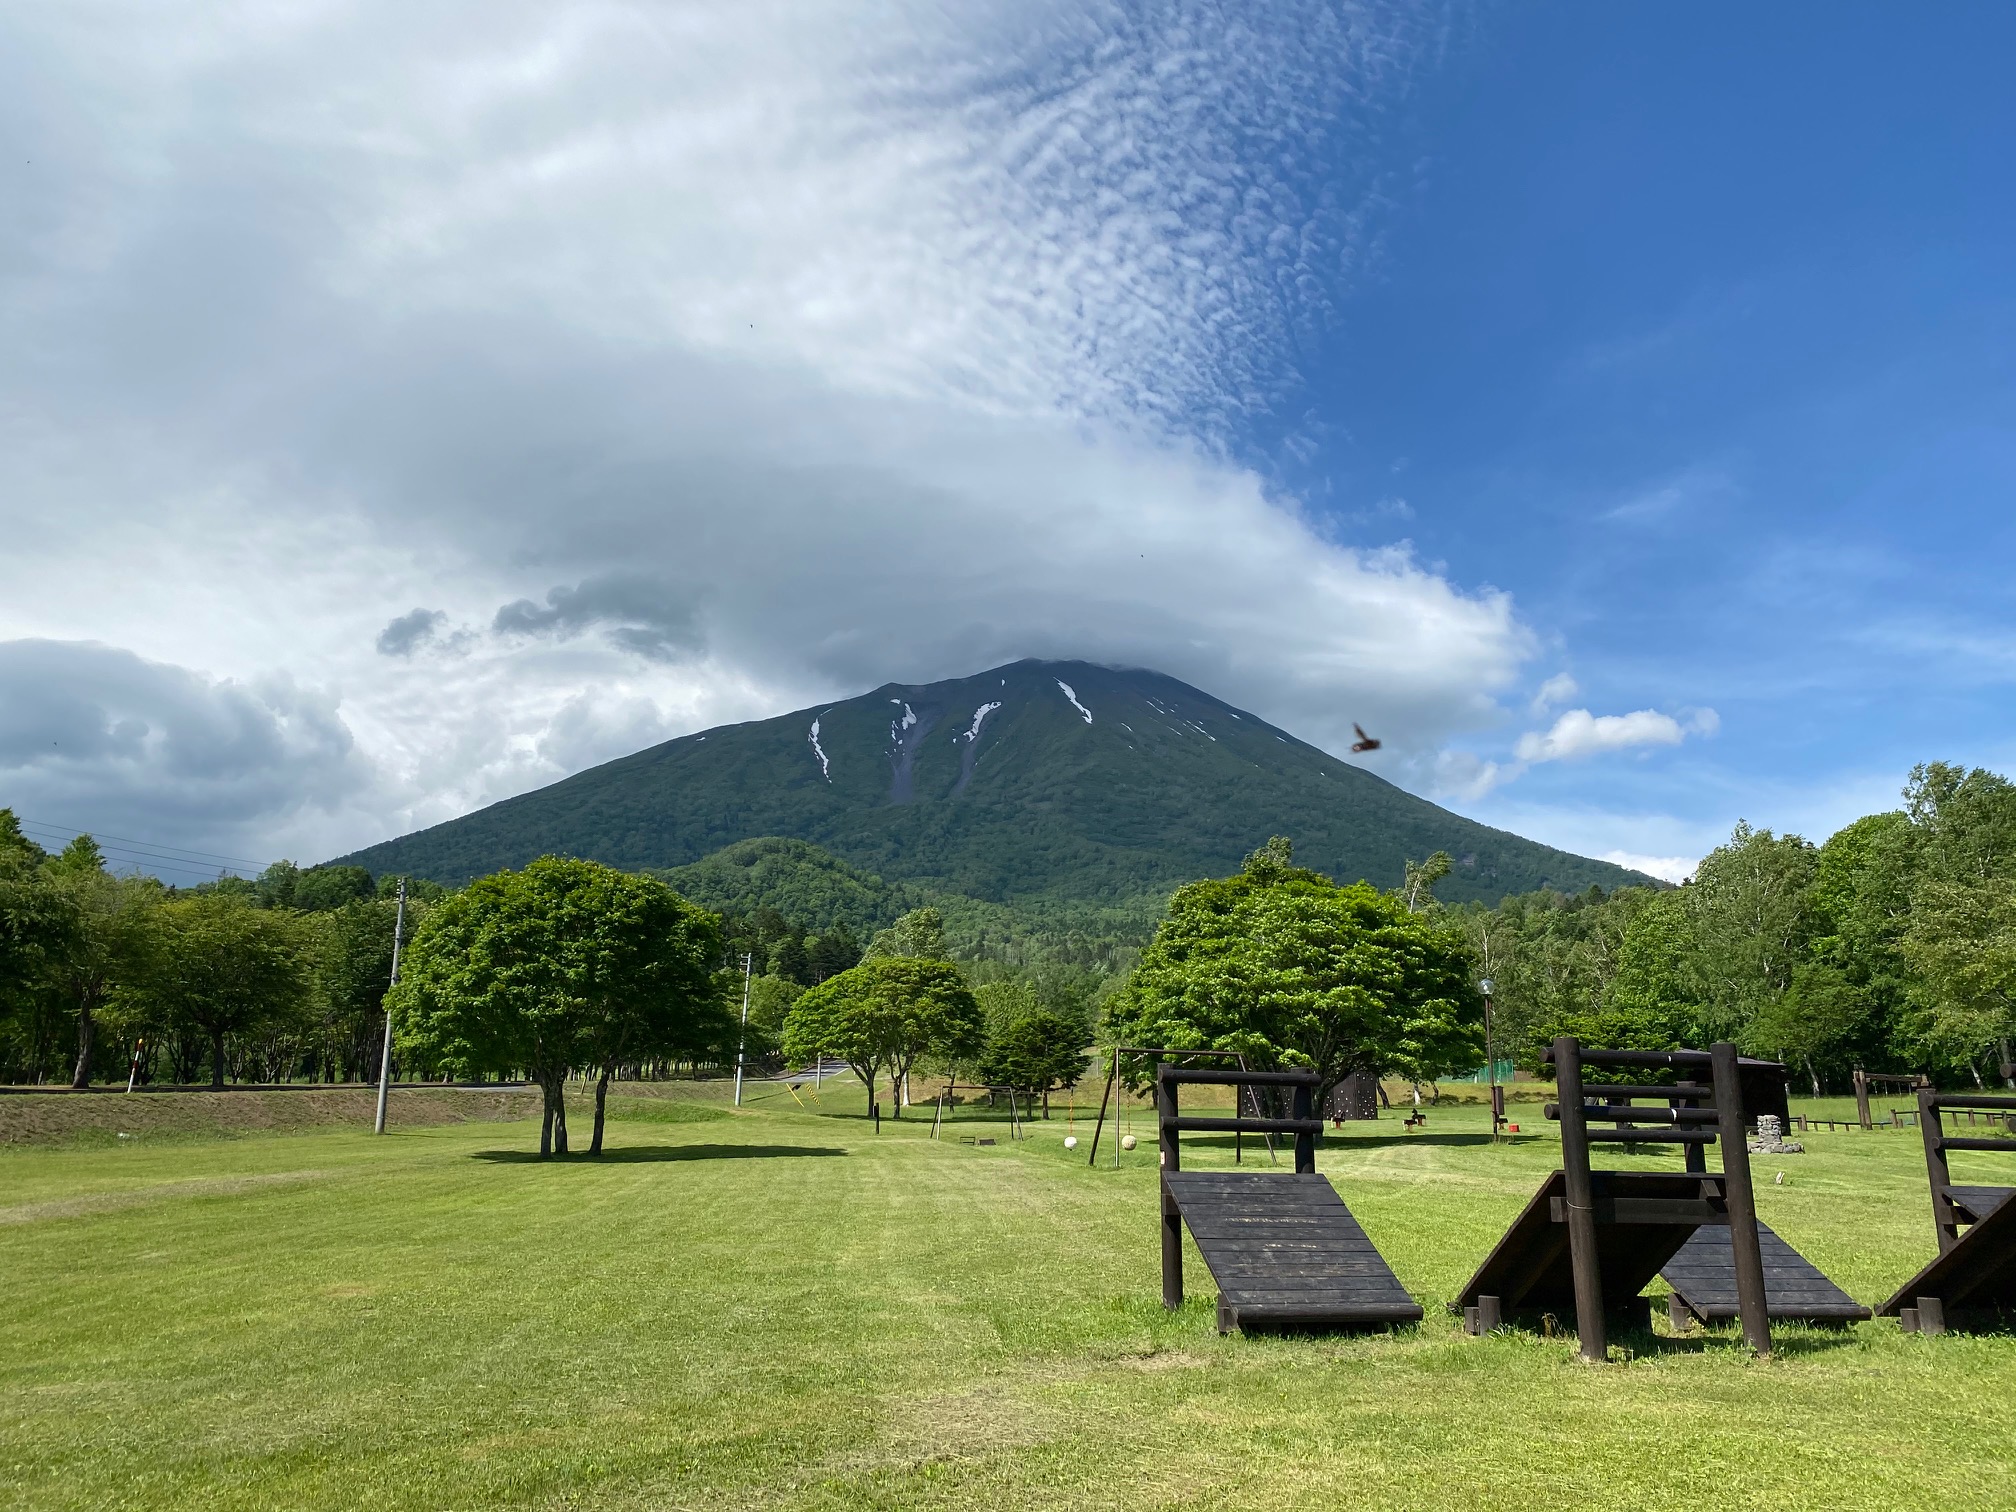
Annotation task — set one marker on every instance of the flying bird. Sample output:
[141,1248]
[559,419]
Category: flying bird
[1365,742]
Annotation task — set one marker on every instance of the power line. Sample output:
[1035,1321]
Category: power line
[138,853]
[120,855]
[193,855]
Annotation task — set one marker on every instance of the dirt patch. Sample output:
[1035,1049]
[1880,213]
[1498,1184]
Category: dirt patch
[44,1118]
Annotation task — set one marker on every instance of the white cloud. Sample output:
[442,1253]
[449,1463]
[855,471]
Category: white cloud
[1554,692]
[1464,777]
[1578,733]
[1675,869]
[723,359]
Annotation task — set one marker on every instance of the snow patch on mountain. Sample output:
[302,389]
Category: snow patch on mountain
[1074,700]
[979,718]
[898,726]
[825,767]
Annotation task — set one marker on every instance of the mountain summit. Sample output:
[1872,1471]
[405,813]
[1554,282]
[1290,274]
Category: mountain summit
[1062,781]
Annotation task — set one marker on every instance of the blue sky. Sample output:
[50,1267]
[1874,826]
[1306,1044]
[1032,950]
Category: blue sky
[1608,406]
[1694,331]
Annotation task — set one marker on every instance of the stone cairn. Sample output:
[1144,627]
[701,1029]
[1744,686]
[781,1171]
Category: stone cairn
[1771,1138]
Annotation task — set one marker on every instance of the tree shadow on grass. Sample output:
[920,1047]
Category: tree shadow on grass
[637,1154]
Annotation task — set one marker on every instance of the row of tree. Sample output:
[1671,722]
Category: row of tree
[102,975]
[1891,947]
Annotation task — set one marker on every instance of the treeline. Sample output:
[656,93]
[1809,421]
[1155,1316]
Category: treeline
[1892,946]
[103,976]
[284,978]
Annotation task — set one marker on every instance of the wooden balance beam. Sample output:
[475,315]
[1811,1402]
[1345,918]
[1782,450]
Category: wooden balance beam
[1975,1270]
[1285,1251]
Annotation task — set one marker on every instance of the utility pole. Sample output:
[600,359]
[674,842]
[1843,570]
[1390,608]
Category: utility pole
[742,1045]
[385,1056]
[1490,1060]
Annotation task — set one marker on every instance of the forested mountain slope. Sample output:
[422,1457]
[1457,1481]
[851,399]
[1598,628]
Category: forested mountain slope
[1058,781]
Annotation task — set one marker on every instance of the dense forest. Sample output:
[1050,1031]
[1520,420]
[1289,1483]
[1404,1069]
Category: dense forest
[1892,946]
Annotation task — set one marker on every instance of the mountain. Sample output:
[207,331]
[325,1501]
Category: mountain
[799,880]
[1038,784]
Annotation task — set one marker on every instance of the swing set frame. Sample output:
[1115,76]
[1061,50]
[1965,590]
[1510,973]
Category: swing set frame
[1015,1120]
[1238,1101]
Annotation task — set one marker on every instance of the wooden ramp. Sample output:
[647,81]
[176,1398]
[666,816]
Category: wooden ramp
[1286,1253]
[1975,1272]
[1643,1219]
[1979,1271]
[1703,1277]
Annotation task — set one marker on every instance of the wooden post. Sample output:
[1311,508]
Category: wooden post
[1751,1302]
[1931,1316]
[1933,1131]
[1172,1216]
[1581,1202]
[1099,1125]
[1300,1106]
[1862,1096]
[1695,1157]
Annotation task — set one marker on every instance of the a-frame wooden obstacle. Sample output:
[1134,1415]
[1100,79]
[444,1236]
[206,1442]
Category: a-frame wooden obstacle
[1591,1240]
[1285,1251]
[1975,1270]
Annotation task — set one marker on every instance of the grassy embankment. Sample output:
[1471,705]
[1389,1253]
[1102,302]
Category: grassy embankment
[779,1308]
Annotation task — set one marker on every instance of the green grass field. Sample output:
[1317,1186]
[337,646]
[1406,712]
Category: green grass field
[780,1308]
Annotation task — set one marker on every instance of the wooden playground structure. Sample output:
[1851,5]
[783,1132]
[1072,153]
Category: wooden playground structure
[945,1100]
[1591,1240]
[1865,1081]
[1286,1253]
[1975,1270]
[1284,1250]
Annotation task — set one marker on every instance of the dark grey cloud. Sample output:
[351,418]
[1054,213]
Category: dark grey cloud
[99,738]
[410,632]
[638,615]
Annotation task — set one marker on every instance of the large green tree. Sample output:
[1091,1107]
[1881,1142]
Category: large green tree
[113,944]
[226,967]
[1750,923]
[36,926]
[561,965]
[920,933]
[886,1013]
[1290,969]
[1037,1053]
[355,973]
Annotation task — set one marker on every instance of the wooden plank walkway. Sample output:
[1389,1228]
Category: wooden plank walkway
[1980,1270]
[1703,1276]
[1286,1252]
